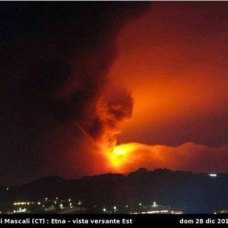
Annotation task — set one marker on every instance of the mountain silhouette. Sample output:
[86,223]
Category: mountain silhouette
[192,193]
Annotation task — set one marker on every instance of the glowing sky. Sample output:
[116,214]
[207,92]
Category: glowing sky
[89,88]
[173,60]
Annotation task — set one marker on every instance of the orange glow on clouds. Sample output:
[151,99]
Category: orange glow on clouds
[174,65]
[189,156]
[171,73]
[165,104]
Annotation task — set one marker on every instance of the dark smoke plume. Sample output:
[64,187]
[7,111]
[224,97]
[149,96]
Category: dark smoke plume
[54,59]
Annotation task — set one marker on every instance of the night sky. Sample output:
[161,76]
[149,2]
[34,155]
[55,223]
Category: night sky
[88,88]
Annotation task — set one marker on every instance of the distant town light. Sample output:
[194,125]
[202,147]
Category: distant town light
[164,211]
[177,212]
[20,210]
[22,203]
[212,174]
[154,204]
[140,204]
[104,210]
[79,202]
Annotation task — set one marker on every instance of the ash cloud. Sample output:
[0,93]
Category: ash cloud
[112,109]
[54,61]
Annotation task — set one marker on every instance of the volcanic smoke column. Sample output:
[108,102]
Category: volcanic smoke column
[90,108]
[113,110]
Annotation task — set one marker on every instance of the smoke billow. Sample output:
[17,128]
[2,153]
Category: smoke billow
[53,86]
[112,110]
[93,108]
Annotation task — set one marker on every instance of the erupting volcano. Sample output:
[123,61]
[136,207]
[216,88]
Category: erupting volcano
[95,88]
[173,66]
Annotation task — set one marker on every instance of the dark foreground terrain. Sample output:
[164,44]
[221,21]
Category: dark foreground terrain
[191,193]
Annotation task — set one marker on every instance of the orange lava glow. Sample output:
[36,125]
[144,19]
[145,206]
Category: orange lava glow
[120,155]
[189,156]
